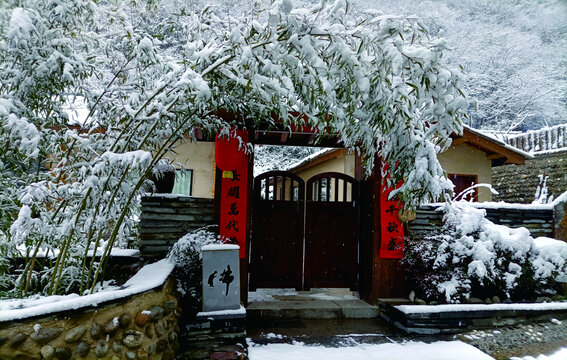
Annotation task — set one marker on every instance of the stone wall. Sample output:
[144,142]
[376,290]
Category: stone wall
[165,218]
[215,337]
[538,221]
[518,183]
[144,326]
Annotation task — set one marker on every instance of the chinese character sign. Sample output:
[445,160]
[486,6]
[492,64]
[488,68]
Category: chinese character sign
[221,274]
[391,228]
[234,189]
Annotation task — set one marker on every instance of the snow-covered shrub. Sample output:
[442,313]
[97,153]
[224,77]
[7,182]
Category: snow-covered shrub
[472,257]
[187,256]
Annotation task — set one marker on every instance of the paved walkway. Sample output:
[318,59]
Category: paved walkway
[291,322]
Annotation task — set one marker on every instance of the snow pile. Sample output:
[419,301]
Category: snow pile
[471,256]
[561,354]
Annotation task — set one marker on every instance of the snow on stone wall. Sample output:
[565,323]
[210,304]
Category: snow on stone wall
[143,326]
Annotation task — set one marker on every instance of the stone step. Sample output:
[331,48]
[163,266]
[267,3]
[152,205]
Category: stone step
[312,309]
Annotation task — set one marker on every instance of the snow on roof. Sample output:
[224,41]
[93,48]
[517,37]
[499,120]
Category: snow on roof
[486,136]
[147,278]
[495,139]
[309,158]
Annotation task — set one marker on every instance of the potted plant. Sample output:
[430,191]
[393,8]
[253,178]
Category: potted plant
[163,176]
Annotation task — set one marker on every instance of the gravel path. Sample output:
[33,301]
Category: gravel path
[521,340]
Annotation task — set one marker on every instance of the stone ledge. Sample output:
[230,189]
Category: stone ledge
[450,322]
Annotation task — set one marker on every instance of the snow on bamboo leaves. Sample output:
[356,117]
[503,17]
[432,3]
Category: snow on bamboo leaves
[379,81]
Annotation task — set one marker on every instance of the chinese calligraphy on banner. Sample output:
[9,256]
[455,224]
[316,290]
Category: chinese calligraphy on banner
[234,190]
[391,228]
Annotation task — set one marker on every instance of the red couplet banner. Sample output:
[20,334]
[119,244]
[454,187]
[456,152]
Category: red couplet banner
[234,190]
[391,227]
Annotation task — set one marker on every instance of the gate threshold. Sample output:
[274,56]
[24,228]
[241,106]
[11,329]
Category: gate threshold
[290,304]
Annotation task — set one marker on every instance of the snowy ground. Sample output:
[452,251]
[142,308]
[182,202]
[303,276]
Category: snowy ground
[445,350]
[411,350]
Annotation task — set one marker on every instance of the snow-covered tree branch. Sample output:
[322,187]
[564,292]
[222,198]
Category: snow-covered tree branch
[378,81]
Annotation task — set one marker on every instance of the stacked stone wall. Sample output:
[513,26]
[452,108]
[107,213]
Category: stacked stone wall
[166,218]
[144,326]
[539,222]
[518,183]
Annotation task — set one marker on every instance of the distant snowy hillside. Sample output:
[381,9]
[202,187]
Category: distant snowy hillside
[512,52]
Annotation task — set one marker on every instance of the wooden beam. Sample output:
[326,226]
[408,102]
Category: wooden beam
[283,137]
[494,156]
[311,139]
[459,140]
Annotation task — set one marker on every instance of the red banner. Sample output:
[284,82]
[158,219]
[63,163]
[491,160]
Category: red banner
[234,190]
[391,227]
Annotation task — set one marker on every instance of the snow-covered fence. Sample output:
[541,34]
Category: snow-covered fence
[546,139]
[166,218]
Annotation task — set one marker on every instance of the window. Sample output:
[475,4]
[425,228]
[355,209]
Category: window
[462,182]
[183,182]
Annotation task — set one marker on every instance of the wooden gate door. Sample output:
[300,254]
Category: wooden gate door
[276,249]
[331,244]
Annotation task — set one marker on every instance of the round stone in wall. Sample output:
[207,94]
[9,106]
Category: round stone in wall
[75,334]
[132,338]
[63,353]
[95,330]
[142,319]
[150,331]
[101,348]
[43,336]
[125,320]
[47,352]
[157,313]
[116,346]
[18,339]
[111,326]
[83,348]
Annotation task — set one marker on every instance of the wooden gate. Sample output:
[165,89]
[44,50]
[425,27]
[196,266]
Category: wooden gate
[276,249]
[283,252]
[331,246]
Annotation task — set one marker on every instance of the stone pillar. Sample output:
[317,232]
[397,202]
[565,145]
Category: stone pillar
[221,277]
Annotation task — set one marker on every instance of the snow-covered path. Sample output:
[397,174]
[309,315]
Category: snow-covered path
[442,350]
